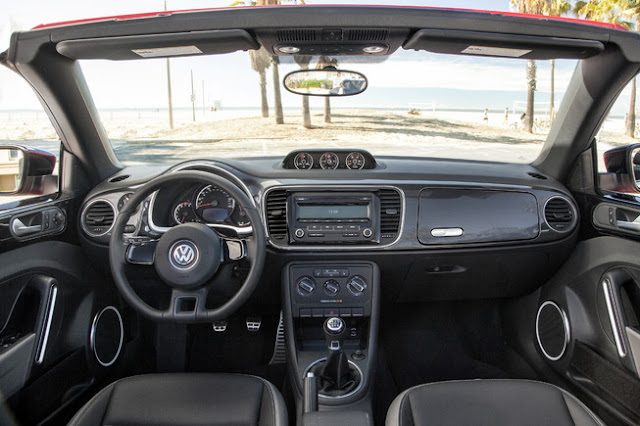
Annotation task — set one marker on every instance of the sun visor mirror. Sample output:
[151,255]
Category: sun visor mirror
[158,45]
[475,43]
[325,82]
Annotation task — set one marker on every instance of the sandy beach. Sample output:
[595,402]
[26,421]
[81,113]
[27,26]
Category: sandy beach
[141,137]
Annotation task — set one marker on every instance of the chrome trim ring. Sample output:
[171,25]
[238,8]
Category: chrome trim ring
[573,210]
[84,210]
[346,395]
[92,336]
[321,247]
[567,330]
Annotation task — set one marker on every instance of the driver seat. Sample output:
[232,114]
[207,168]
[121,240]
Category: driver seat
[185,399]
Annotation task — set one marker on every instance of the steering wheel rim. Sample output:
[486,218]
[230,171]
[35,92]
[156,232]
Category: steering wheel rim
[256,253]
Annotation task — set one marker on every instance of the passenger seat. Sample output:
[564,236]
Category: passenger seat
[489,402]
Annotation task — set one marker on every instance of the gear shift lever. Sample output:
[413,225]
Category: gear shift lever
[336,370]
[334,330]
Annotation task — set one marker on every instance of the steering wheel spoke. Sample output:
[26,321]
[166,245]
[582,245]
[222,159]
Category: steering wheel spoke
[188,306]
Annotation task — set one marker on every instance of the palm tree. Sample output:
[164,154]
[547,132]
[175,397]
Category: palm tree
[621,12]
[323,62]
[555,8]
[260,61]
[277,97]
[535,7]
[303,62]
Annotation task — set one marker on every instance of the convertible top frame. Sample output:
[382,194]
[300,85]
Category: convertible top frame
[614,59]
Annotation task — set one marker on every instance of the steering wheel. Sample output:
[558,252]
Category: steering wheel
[187,256]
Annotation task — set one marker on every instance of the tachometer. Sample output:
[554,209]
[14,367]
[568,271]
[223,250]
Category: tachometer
[355,161]
[240,217]
[183,213]
[303,161]
[329,161]
[214,205]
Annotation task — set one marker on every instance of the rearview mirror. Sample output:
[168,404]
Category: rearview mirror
[325,82]
[22,169]
[623,169]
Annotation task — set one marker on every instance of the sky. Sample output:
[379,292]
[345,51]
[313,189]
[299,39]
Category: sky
[441,78]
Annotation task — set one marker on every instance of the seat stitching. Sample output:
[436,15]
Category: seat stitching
[268,385]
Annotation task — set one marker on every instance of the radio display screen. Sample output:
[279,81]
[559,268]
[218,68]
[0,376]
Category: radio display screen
[332,211]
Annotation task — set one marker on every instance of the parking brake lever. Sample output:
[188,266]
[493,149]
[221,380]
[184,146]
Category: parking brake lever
[310,393]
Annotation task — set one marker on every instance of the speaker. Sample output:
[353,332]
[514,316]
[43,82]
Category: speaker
[107,335]
[552,330]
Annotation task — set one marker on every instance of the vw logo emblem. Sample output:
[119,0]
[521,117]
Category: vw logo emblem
[183,254]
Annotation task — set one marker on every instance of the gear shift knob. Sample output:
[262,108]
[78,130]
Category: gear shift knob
[334,330]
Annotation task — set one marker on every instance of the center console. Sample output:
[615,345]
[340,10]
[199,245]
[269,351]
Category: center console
[331,324]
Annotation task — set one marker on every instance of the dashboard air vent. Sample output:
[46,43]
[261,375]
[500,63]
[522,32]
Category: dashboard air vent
[276,212]
[296,35]
[118,178]
[97,218]
[559,214]
[364,34]
[537,175]
[390,213]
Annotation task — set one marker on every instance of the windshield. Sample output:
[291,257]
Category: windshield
[416,104]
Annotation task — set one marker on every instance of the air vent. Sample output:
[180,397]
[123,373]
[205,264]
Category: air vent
[296,35]
[390,213]
[276,211]
[537,175]
[118,178]
[368,35]
[559,214]
[97,218]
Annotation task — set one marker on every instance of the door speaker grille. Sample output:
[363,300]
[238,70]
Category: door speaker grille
[552,330]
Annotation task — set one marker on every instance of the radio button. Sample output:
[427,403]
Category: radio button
[351,234]
[353,227]
[316,234]
[367,232]
[340,227]
[299,233]
[327,228]
[313,228]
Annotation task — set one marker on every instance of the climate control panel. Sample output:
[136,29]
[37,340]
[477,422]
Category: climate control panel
[330,289]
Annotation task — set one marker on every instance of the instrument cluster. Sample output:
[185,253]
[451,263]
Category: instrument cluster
[201,203]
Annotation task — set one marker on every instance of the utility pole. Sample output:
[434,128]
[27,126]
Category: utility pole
[169,84]
[193,98]
[204,107]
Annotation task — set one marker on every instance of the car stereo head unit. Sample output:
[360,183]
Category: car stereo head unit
[326,217]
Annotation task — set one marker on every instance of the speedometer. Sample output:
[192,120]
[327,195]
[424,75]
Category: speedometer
[214,205]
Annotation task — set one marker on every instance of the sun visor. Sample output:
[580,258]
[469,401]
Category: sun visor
[477,43]
[158,45]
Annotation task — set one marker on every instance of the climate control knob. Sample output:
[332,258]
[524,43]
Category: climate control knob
[306,286]
[356,285]
[331,287]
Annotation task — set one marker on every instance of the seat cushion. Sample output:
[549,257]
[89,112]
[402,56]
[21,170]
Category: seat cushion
[489,402]
[185,399]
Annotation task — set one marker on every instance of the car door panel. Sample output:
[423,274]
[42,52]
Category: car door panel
[598,321]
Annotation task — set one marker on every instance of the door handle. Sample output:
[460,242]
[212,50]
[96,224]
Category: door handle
[631,226]
[20,229]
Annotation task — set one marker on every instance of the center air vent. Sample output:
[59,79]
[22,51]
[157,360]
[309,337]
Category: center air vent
[364,34]
[559,214]
[276,214]
[390,213]
[97,218]
[296,35]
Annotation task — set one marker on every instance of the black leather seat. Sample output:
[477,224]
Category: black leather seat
[185,399]
[489,402]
